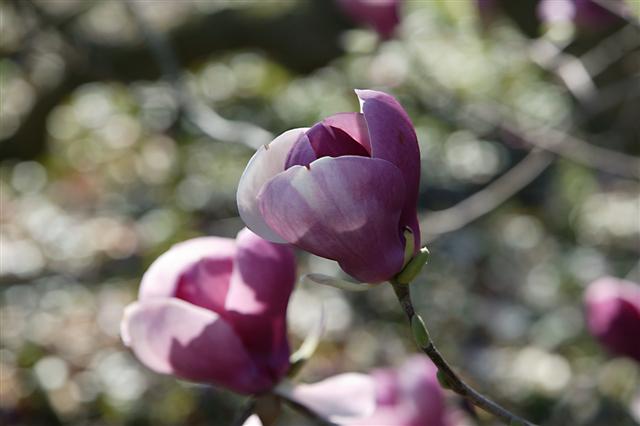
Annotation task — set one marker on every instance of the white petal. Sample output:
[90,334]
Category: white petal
[335,282]
[267,162]
[254,420]
[342,398]
[311,341]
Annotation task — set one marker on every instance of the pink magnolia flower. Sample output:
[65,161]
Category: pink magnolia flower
[382,15]
[345,189]
[213,310]
[584,13]
[408,396]
[613,315]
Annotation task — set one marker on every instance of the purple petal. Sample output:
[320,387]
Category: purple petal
[197,270]
[263,277]
[394,139]
[301,154]
[328,141]
[346,209]
[354,125]
[262,281]
[268,161]
[171,336]
[407,396]
[419,384]
[387,387]
[342,398]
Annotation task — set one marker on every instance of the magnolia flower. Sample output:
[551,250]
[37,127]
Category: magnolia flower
[213,310]
[408,396]
[613,315]
[345,189]
[382,15]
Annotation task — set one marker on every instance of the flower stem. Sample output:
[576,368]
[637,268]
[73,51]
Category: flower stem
[451,379]
[246,412]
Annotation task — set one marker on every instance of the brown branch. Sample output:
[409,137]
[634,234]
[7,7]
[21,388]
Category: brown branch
[447,107]
[621,10]
[203,117]
[302,39]
[440,222]
[453,381]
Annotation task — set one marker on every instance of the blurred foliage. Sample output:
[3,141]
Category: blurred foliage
[118,174]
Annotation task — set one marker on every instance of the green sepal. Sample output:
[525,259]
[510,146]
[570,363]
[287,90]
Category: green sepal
[413,268]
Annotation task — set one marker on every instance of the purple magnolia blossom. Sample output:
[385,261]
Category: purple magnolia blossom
[381,15]
[613,315]
[408,396]
[584,13]
[345,189]
[213,310]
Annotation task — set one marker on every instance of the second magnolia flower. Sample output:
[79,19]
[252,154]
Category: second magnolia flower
[213,310]
[345,189]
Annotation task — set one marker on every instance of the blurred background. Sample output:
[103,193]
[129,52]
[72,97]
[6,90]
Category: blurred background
[125,127]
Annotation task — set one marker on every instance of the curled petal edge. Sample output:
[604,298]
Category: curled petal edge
[315,278]
[268,161]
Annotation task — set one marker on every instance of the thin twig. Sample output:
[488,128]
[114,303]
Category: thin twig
[246,412]
[597,59]
[440,222]
[453,381]
[446,106]
[567,68]
[204,118]
[621,10]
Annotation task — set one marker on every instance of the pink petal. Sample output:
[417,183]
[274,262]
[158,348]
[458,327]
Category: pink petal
[613,315]
[345,133]
[394,139]
[263,277]
[171,336]
[328,141]
[342,398]
[301,154]
[344,208]
[353,124]
[422,392]
[197,270]
[262,281]
[268,161]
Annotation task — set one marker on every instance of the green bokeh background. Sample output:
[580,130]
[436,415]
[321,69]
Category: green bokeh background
[103,169]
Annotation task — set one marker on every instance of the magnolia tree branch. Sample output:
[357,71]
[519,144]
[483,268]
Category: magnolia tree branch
[486,200]
[621,10]
[318,26]
[446,373]
[204,118]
